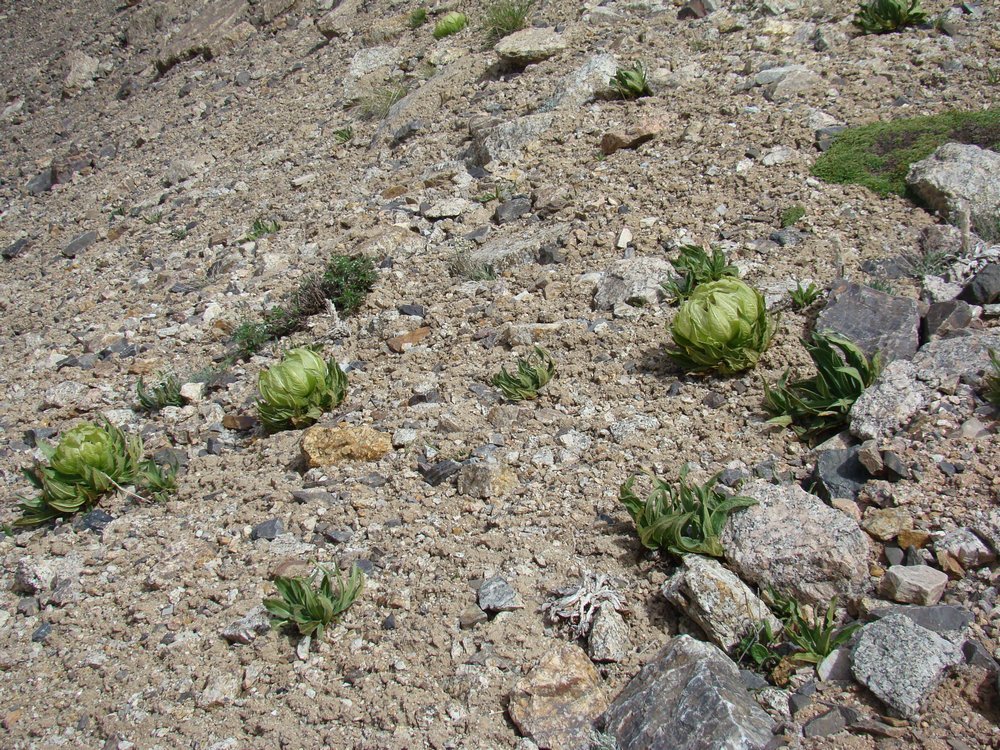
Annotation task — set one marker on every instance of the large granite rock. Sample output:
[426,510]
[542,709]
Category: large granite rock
[556,703]
[962,183]
[793,541]
[632,280]
[505,142]
[874,320]
[903,388]
[530,46]
[690,697]
[719,602]
[585,83]
[901,662]
[507,252]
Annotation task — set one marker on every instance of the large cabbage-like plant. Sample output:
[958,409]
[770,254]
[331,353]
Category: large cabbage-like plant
[299,390]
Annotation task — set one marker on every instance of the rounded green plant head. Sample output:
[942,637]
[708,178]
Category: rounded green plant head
[297,391]
[84,448]
[450,24]
[723,327]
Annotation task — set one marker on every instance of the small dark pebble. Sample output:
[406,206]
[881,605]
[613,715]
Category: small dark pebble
[34,434]
[675,388]
[894,555]
[214,446]
[435,474]
[340,536]
[308,496]
[894,466]
[168,638]
[947,468]
[415,310]
[270,529]
[367,566]
[913,557]
[373,480]
[394,523]
[798,702]
[41,633]
[16,249]
[714,400]
[95,520]
[389,623]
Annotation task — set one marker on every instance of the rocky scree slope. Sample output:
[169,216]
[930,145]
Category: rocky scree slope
[140,144]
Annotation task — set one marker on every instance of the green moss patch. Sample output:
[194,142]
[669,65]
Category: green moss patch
[879,155]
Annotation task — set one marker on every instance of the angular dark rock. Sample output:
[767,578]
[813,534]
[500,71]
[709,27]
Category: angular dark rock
[270,529]
[417,311]
[41,633]
[79,243]
[689,697]
[94,520]
[839,473]
[943,619]
[984,288]
[435,474]
[512,209]
[944,317]
[874,320]
[833,721]
[41,182]
[17,248]
[695,9]
[496,595]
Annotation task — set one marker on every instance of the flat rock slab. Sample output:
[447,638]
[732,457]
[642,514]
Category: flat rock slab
[325,446]
[722,605]
[690,697]
[585,83]
[219,28]
[874,320]
[632,280]
[901,662]
[961,182]
[530,46]
[505,142]
[944,619]
[795,542]
[556,703]
[504,253]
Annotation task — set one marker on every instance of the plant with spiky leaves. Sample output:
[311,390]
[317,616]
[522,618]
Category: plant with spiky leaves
[310,604]
[883,16]
[165,393]
[695,267]
[533,372]
[630,83]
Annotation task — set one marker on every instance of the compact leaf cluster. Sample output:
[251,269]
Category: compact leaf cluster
[165,393]
[682,519]
[450,23]
[804,296]
[299,390]
[695,266]
[818,406]
[803,639]
[630,83]
[723,326]
[884,16]
[533,372]
[311,603]
[88,462]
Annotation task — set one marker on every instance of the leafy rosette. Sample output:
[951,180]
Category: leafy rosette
[299,390]
[723,327]
[88,462]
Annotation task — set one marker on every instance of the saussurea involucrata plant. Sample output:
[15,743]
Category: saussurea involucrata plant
[682,519]
[723,327]
[630,83]
[310,604]
[883,16]
[533,372]
[165,393]
[451,23]
[992,381]
[261,228]
[299,390]
[817,406]
[695,266]
[88,462]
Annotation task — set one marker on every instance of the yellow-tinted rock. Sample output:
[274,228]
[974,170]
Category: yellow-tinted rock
[323,446]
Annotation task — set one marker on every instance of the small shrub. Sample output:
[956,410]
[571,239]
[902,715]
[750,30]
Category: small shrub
[818,406]
[165,393]
[296,392]
[992,381]
[153,218]
[504,17]
[803,297]
[686,519]
[347,280]
[791,216]
[928,263]
[261,228]
[88,462]
[451,23]
[377,104]
[533,372]
[463,265]
[418,18]
[630,83]
[724,327]
[696,267]
[883,16]
[310,604]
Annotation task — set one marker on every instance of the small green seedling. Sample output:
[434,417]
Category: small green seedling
[311,604]
[817,640]
[630,83]
[804,296]
[165,393]
[818,406]
[682,519]
[343,135]
[451,23]
[533,372]
[261,228]
[884,16]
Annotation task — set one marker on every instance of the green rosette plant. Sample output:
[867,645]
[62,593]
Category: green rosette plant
[88,462]
[310,604]
[299,390]
[451,23]
[723,327]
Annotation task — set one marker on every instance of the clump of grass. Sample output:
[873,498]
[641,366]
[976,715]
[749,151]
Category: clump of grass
[343,135]
[261,228]
[165,393]
[418,18]
[504,17]
[311,604]
[377,104]
[345,282]
[153,218]
[883,285]
[928,263]
[463,265]
[533,372]
[883,16]
[818,406]
[451,23]
[879,155]
[682,519]
[803,297]
[791,216]
[630,83]
[695,267]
